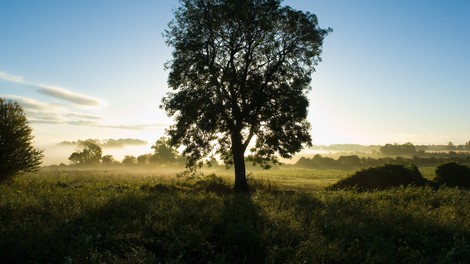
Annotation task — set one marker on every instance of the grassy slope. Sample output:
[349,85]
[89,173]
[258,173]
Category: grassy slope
[122,217]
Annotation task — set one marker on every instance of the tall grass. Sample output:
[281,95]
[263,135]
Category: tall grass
[114,217]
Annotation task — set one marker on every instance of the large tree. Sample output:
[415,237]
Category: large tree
[240,71]
[17,152]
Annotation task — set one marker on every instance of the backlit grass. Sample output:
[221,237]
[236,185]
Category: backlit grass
[64,216]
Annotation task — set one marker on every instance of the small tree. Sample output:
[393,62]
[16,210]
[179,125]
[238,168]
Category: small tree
[107,160]
[144,159]
[17,153]
[129,160]
[89,153]
[164,152]
[241,70]
[453,174]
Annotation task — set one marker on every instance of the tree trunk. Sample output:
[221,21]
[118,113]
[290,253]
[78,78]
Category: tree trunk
[238,152]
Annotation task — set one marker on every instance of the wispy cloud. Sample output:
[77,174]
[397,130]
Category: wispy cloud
[84,116]
[67,95]
[137,126]
[117,126]
[11,78]
[29,103]
[54,91]
[37,111]
[48,113]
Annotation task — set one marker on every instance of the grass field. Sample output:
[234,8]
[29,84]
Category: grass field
[138,216]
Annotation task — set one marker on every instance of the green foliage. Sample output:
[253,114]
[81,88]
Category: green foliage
[17,153]
[453,174]
[102,217]
[397,150]
[129,160]
[383,177]
[89,153]
[355,162]
[164,153]
[108,159]
[240,69]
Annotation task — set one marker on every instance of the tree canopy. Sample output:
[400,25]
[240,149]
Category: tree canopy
[396,149]
[17,152]
[241,70]
[89,153]
[164,153]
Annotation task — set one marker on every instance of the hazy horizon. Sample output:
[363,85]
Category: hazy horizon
[392,71]
[58,153]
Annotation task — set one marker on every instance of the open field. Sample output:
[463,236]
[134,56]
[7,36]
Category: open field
[137,216]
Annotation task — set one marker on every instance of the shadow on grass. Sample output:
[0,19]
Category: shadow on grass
[160,223]
[241,231]
[210,223]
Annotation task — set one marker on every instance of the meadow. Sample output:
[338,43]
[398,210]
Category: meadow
[63,215]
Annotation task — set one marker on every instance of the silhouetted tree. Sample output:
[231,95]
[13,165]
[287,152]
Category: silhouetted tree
[144,159]
[396,149]
[107,160]
[89,153]
[453,174]
[450,146]
[349,162]
[17,153]
[129,160]
[240,69]
[164,152]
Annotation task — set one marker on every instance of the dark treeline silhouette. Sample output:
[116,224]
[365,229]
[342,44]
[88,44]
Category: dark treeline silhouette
[89,153]
[356,162]
[407,149]
[449,174]
[381,178]
[396,149]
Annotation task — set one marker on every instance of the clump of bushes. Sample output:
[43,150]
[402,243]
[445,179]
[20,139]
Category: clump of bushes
[380,178]
[453,175]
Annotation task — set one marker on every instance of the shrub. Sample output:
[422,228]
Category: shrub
[212,183]
[453,174]
[383,177]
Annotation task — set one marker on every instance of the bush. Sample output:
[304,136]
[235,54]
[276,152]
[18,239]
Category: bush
[453,174]
[380,178]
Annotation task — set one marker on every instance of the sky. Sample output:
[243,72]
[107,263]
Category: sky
[392,71]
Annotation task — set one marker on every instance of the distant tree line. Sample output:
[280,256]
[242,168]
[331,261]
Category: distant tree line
[89,153]
[407,149]
[356,162]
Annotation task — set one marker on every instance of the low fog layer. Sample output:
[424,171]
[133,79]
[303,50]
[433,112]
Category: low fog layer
[59,153]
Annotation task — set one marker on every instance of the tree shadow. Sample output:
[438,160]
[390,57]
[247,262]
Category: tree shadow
[241,231]
[157,224]
[172,224]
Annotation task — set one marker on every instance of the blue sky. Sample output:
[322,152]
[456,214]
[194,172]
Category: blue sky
[392,71]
